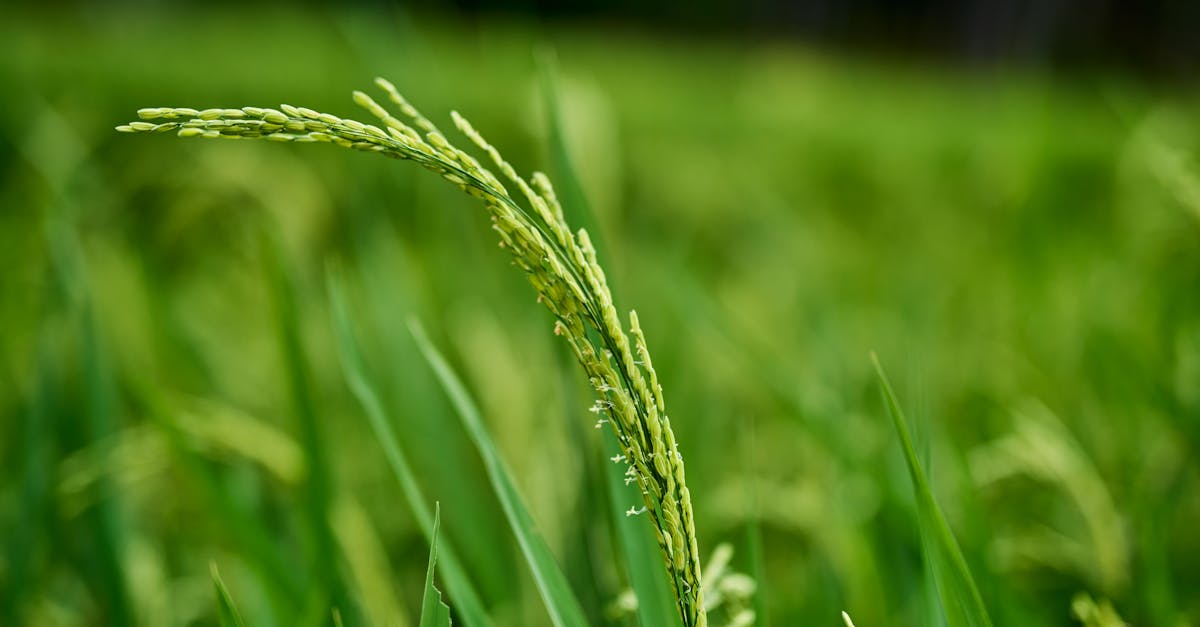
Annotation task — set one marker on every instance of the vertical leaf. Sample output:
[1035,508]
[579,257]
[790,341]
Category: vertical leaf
[754,551]
[227,613]
[325,585]
[570,189]
[466,599]
[556,594]
[961,601]
[434,613]
[106,520]
[656,604]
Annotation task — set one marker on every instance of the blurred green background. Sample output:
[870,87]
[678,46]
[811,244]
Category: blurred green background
[1019,245]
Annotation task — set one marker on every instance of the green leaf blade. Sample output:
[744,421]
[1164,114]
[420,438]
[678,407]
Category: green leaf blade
[434,612]
[466,599]
[227,612]
[648,580]
[560,601]
[961,601]
[325,588]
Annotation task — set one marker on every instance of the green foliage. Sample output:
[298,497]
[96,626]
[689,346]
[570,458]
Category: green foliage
[1028,240]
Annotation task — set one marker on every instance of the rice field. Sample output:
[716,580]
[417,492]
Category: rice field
[282,363]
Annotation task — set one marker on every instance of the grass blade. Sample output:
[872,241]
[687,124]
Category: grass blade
[758,570]
[556,594]
[466,599]
[325,586]
[24,539]
[570,189]
[106,518]
[656,605]
[366,560]
[434,613]
[105,521]
[227,613]
[961,601]
[754,536]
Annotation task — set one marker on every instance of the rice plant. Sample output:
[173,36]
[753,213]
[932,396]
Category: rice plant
[562,266]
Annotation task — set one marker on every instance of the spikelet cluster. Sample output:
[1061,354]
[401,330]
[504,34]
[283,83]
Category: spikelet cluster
[561,265]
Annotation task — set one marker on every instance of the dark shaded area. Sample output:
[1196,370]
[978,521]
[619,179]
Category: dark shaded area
[1155,37]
